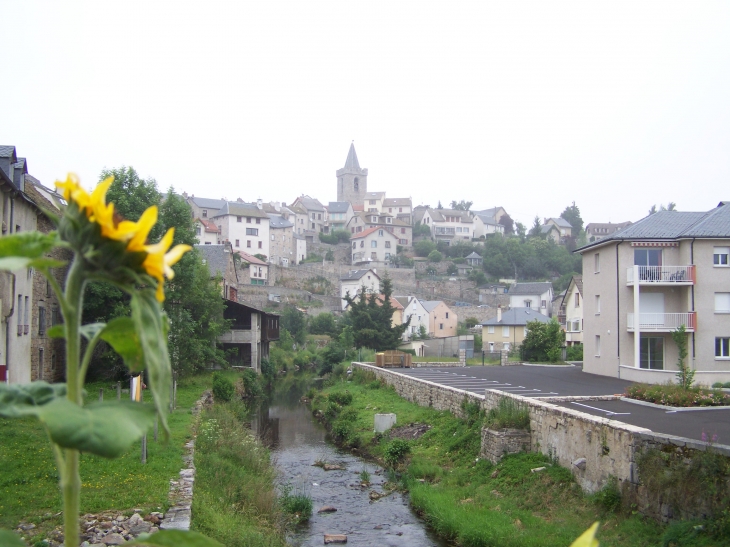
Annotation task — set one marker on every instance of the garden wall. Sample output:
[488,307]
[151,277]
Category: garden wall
[596,449]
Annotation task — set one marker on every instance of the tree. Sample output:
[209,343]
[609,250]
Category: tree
[461,205]
[671,206]
[521,230]
[452,269]
[543,341]
[371,317]
[434,256]
[424,247]
[572,215]
[508,224]
[421,229]
[536,230]
[686,375]
[295,323]
[323,323]
[439,206]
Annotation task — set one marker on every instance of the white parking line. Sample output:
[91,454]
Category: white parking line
[607,412]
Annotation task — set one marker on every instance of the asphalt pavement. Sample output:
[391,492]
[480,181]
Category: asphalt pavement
[561,381]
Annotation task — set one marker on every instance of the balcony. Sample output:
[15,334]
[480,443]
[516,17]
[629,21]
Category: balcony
[663,322]
[442,231]
[663,275]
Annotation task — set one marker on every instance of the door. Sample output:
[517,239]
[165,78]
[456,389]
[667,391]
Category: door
[649,262]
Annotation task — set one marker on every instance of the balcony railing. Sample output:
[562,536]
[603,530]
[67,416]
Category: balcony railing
[663,322]
[445,231]
[663,275]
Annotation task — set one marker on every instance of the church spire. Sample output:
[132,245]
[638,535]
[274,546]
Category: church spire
[351,162]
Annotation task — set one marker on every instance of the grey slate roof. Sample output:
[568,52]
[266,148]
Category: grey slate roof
[278,221]
[438,215]
[240,209]
[216,258]
[396,202]
[354,275]
[310,203]
[560,221]
[430,305]
[530,288]
[338,206]
[375,195]
[473,255]
[674,225]
[351,162]
[547,228]
[207,203]
[6,151]
[518,317]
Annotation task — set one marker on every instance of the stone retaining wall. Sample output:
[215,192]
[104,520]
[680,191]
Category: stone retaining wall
[593,448]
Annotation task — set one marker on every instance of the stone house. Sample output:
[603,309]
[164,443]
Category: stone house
[283,247]
[640,284]
[353,282]
[316,213]
[400,208]
[219,260]
[203,208]
[206,231]
[258,270]
[538,296]
[508,329]
[375,244]
[597,230]
[362,221]
[572,304]
[245,226]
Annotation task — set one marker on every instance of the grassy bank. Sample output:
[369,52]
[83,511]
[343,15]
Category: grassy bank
[29,482]
[235,499]
[471,501]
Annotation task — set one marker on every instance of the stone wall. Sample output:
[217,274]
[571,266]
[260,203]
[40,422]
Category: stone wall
[595,449]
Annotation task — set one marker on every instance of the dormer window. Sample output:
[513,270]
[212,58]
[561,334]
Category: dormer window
[388,220]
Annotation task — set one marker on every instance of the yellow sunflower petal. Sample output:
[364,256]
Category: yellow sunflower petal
[72,191]
[144,225]
[98,196]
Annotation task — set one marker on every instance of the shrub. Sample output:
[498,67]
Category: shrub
[452,269]
[544,341]
[298,504]
[609,497]
[676,395]
[423,248]
[251,384]
[396,450]
[223,388]
[342,398]
[574,353]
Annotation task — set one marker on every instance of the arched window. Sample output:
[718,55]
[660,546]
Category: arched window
[356,184]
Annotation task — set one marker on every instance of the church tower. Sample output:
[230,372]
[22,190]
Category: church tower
[352,182]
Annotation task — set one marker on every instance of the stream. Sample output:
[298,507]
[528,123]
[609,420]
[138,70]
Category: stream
[297,441]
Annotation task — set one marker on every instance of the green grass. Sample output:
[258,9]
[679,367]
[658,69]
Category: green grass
[474,503]
[235,501]
[29,480]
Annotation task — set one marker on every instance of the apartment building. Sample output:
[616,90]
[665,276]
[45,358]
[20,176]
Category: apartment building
[640,284]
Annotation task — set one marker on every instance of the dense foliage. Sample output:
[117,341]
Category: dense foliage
[543,342]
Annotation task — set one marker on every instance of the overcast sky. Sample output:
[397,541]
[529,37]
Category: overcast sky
[531,106]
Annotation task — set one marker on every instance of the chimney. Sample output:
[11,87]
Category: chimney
[259,203]
[499,313]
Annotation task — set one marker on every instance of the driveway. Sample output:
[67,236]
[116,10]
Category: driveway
[552,381]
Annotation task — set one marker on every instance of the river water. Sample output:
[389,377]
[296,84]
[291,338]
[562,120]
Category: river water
[297,441]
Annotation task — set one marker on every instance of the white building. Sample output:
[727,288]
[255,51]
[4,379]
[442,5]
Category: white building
[355,280]
[245,225]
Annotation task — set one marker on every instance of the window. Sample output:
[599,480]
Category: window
[41,321]
[388,220]
[387,244]
[721,256]
[239,219]
[441,326]
[598,304]
[40,363]
[458,229]
[258,221]
[19,313]
[577,300]
[490,329]
[403,242]
[273,238]
[26,325]
[197,229]
[543,303]
[373,244]
[528,303]
[313,226]
[319,216]
[373,256]
[252,231]
[362,243]
[248,220]
[55,316]
[400,209]
[354,244]
[491,346]
[402,230]
[261,244]
[238,244]
[722,302]
[505,332]
[387,256]
[380,233]
[372,202]
[651,352]
[466,230]
[598,346]
[597,262]
[205,213]
[447,315]
[248,243]
[722,348]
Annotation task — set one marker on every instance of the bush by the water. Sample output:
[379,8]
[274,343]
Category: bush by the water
[396,450]
[223,388]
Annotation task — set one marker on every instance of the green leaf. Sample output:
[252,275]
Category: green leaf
[56,331]
[25,399]
[121,335]
[91,330]
[13,263]
[9,539]
[106,429]
[150,323]
[27,244]
[174,538]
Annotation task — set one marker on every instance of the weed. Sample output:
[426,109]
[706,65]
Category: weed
[296,503]
[609,497]
[342,398]
[365,476]
[508,414]
[396,450]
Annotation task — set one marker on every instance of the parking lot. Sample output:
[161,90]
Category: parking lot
[558,381]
